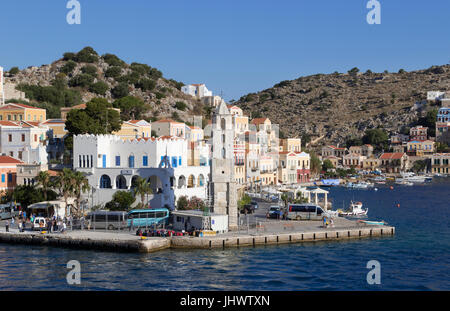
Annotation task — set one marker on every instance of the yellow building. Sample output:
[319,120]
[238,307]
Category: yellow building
[440,163]
[370,164]
[21,112]
[420,148]
[57,127]
[134,129]
[267,171]
[291,144]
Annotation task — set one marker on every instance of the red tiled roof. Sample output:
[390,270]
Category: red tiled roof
[258,120]
[8,106]
[9,160]
[8,123]
[392,156]
[167,121]
[334,147]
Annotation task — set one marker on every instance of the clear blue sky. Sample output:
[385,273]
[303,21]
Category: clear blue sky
[234,46]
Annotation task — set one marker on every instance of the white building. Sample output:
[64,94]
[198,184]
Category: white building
[25,141]
[113,164]
[196,90]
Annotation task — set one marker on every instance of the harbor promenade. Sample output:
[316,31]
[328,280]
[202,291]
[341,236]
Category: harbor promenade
[267,233]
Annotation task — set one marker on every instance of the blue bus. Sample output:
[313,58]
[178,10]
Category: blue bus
[148,217]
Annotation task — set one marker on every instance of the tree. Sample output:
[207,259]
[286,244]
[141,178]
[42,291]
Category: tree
[90,70]
[97,118]
[196,204]
[44,180]
[99,88]
[429,120]
[182,203]
[14,70]
[146,84]
[86,55]
[80,186]
[316,166]
[419,166]
[65,184]
[113,72]
[131,108]
[28,195]
[245,200]
[142,188]
[354,71]
[285,199]
[121,90]
[122,201]
[327,165]
[376,137]
[113,60]
[181,106]
[82,80]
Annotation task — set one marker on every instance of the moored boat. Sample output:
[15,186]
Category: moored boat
[354,210]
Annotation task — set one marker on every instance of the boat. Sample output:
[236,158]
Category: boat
[355,210]
[404,182]
[370,222]
[359,185]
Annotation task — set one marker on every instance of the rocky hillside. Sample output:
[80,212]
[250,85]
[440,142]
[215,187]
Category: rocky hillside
[340,106]
[78,77]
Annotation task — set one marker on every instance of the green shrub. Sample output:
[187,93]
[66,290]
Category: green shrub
[113,60]
[155,74]
[86,55]
[160,95]
[113,72]
[146,84]
[121,90]
[180,106]
[13,71]
[69,56]
[81,80]
[141,69]
[68,67]
[90,70]
[99,88]
[131,78]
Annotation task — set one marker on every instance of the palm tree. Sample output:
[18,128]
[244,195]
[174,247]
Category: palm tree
[80,185]
[44,180]
[65,184]
[142,188]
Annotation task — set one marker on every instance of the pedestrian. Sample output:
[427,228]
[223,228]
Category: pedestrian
[20,226]
[64,227]
[131,225]
[331,223]
[324,221]
[7,226]
[12,221]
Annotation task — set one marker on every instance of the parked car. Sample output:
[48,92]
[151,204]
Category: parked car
[306,211]
[254,204]
[275,212]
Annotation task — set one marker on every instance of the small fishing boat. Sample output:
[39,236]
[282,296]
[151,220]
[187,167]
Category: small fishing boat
[354,210]
[374,223]
[359,185]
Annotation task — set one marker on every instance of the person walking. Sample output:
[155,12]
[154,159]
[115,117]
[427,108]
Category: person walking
[7,226]
[20,225]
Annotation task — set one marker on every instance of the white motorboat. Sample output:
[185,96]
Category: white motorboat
[359,185]
[355,210]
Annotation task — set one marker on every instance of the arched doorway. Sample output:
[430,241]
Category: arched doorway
[201,180]
[181,182]
[134,181]
[121,182]
[105,182]
[191,181]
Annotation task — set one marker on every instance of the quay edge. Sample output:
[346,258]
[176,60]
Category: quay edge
[154,244]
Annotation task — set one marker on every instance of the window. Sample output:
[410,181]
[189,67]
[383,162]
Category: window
[35,137]
[9,137]
[23,137]
[3,177]
[20,155]
[117,160]
[179,161]
[145,160]
[131,161]
[10,177]
[174,161]
[11,153]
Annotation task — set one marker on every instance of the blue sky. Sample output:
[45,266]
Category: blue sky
[234,46]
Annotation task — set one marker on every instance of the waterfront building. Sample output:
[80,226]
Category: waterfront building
[268,171]
[443,125]
[420,148]
[168,127]
[399,139]
[435,95]
[333,151]
[334,160]
[370,164]
[21,112]
[112,164]
[240,122]
[134,129]
[394,162]
[25,141]
[55,139]
[364,150]
[440,163]
[418,133]
[303,167]
[8,171]
[223,187]
[196,90]
[288,167]
[239,161]
[194,133]
[291,144]
[353,160]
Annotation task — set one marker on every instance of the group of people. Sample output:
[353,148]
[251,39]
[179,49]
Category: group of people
[49,224]
[328,222]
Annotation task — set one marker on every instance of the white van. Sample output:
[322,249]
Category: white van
[37,221]
[306,211]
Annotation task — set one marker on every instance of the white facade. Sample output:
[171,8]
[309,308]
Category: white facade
[435,95]
[112,164]
[196,90]
[24,142]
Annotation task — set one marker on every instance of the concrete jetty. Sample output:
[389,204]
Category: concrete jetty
[127,242]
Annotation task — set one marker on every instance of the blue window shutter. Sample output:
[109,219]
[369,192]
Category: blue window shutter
[179,161]
[3,177]
[131,161]
[10,177]
[174,161]
[162,160]
[117,160]
[145,160]
[104,160]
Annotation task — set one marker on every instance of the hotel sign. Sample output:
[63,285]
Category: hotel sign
[126,172]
